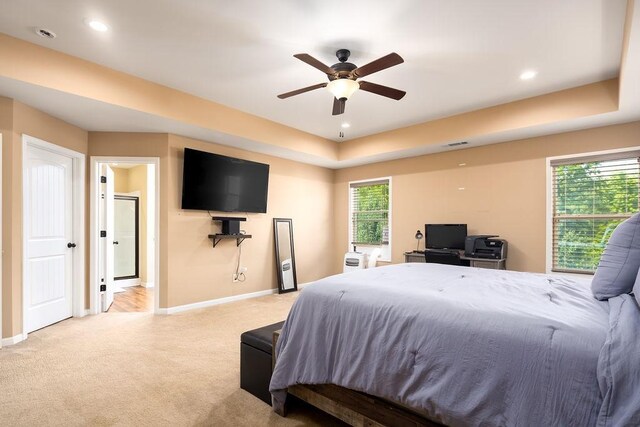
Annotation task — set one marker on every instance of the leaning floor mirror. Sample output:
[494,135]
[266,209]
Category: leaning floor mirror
[285,256]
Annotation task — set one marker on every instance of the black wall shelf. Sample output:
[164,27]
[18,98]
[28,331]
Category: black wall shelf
[217,238]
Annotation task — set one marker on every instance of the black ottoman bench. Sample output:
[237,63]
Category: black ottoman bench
[256,349]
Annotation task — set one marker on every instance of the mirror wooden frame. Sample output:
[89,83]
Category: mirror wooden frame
[281,289]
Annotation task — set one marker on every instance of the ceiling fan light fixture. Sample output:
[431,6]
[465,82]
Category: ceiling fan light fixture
[342,88]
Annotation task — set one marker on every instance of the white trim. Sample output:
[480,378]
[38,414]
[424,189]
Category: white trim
[13,340]
[212,302]
[94,279]
[125,283]
[368,248]
[147,284]
[591,156]
[132,194]
[78,222]
[549,218]
[549,195]
[151,226]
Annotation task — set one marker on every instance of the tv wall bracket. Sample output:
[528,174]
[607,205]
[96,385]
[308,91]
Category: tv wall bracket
[217,238]
[230,230]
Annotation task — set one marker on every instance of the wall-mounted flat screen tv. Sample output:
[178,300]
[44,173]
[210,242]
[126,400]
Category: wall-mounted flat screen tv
[213,182]
[445,236]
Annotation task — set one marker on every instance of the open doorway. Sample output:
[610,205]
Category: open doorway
[124,215]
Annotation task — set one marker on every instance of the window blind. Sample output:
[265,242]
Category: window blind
[369,203]
[590,199]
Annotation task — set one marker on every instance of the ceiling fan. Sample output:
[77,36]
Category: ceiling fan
[343,75]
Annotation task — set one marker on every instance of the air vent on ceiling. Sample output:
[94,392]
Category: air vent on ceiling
[455,144]
[43,32]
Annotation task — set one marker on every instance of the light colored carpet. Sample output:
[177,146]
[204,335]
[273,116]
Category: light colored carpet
[124,369]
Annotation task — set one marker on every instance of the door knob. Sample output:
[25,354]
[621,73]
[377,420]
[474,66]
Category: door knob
[115,242]
[71,245]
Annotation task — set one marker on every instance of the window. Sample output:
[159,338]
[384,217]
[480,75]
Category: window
[591,196]
[369,212]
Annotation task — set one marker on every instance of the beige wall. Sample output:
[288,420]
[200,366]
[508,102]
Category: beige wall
[6,128]
[581,101]
[504,194]
[199,272]
[22,61]
[142,145]
[504,191]
[23,120]
[120,180]
[191,269]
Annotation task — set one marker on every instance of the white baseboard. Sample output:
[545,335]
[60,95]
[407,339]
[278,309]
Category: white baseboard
[147,284]
[212,302]
[125,283]
[13,340]
[302,285]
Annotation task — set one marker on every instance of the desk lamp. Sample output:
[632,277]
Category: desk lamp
[419,237]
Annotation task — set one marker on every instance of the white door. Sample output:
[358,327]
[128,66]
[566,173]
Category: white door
[48,203]
[107,224]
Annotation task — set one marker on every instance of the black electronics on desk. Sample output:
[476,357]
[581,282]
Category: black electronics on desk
[483,246]
[444,243]
[445,236]
[449,244]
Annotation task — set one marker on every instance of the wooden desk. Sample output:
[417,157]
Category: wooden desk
[414,257]
[494,264]
[491,263]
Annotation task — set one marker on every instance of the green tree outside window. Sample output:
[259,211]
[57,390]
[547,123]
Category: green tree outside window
[370,214]
[590,200]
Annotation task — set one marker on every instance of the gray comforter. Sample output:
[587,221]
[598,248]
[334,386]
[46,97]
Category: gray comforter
[465,346]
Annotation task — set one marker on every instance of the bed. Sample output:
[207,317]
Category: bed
[465,346]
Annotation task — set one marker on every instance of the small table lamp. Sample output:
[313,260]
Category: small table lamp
[419,237]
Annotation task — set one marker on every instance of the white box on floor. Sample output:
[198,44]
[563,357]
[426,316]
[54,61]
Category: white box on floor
[354,261]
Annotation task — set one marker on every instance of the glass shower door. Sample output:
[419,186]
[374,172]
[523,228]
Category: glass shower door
[126,237]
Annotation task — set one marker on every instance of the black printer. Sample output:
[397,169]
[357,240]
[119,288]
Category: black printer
[484,246]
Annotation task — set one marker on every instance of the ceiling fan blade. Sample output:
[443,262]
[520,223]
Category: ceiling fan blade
[378,65]
[304,57]
[387,91]
[338,106]
[303,90]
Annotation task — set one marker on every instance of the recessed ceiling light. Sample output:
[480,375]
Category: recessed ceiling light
[528,75]
[462,164]
[345,125]
[43,32]
[97,25]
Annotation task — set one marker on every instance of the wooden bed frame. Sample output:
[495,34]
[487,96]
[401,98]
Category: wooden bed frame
[353,407]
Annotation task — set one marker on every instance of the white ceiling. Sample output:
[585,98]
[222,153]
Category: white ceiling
[459,55]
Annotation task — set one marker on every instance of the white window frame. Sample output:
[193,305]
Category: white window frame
[385,256]
[577,158]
